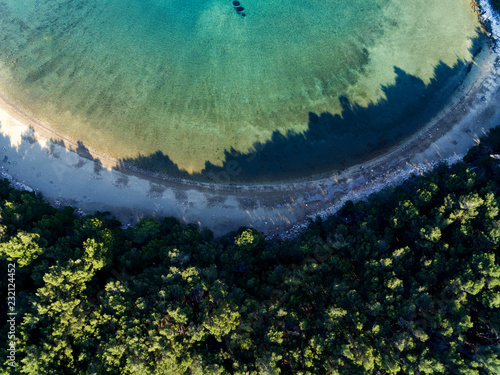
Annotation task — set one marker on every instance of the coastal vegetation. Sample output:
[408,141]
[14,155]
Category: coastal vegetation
[406,282]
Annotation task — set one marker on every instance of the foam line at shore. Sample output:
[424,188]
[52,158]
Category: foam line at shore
[493,18]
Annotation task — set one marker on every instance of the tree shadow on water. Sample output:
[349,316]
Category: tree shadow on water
[332,141]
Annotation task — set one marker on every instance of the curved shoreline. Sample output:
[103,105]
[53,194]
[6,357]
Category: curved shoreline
[63,172]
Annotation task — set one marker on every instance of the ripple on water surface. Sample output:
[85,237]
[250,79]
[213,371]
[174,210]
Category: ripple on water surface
[197,79]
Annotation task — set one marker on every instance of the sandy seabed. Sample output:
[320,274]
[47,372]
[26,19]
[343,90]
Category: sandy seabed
[33,157]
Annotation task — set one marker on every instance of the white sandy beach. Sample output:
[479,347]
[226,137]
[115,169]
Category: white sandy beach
[34,157]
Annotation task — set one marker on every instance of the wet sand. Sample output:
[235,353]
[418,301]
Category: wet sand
[34,157]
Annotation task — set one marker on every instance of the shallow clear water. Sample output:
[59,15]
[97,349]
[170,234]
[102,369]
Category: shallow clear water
[194,79]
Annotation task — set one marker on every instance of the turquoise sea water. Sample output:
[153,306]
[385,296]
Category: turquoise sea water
[196,79]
